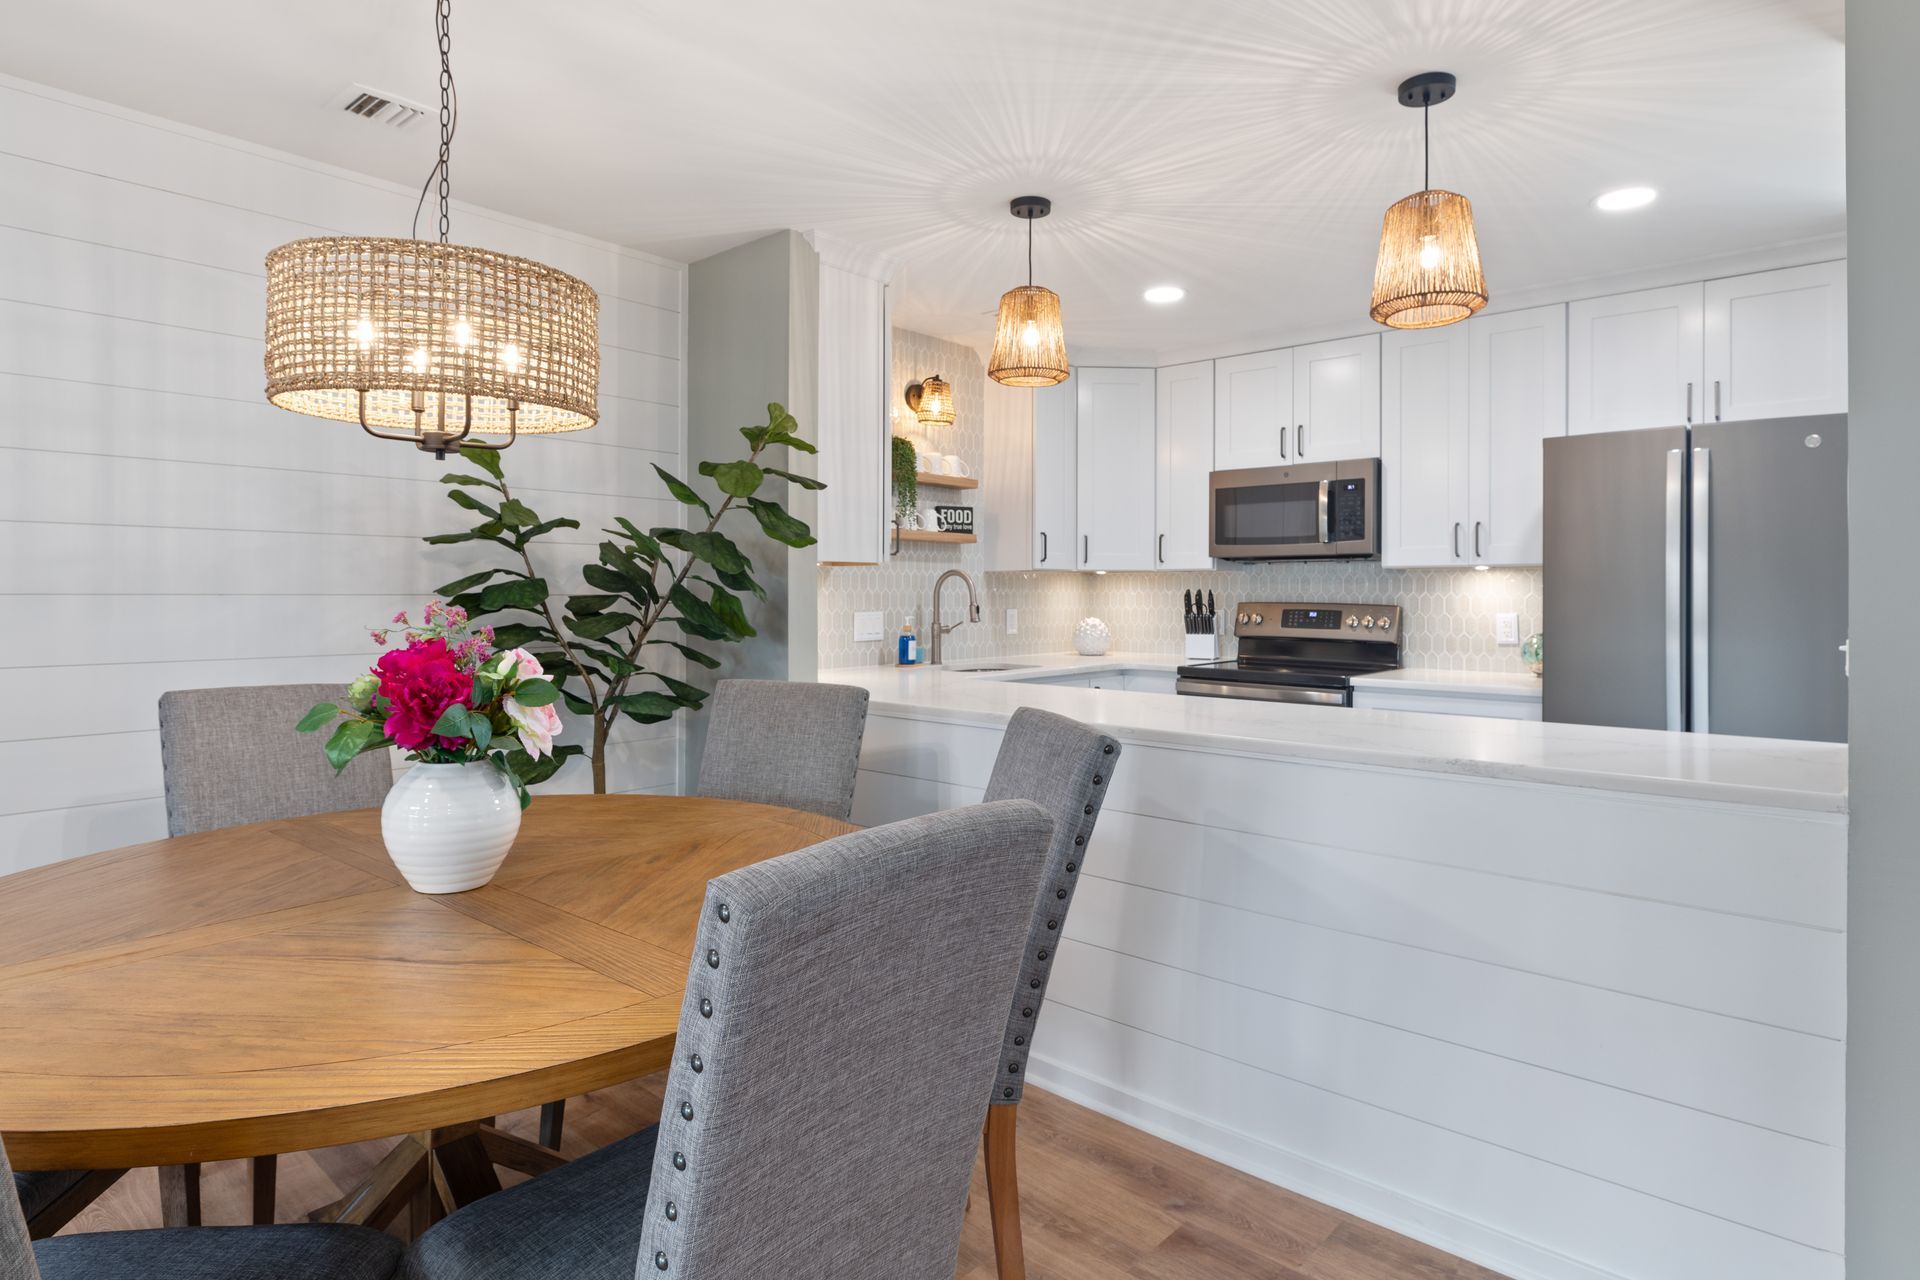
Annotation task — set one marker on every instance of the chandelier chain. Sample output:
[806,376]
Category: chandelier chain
[449,123]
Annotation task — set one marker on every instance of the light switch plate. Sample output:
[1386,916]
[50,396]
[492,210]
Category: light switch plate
[1506,628]
[1013,622]
[869,626]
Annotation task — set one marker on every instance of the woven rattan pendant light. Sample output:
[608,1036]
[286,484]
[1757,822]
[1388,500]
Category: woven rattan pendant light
[1029,345]
[1428,273]
[433,343]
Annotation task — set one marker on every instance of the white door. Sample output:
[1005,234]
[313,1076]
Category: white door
[1634,360]
[1116,468]
[1056,529]
[1519,400]
[1336,400]
[1253,410]
[1777,344]
[1183,444]
[1424,450]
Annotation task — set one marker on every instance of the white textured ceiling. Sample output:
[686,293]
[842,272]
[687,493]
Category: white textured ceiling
[1244,149]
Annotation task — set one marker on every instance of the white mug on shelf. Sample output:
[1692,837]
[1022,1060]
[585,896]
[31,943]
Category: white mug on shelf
[931,462]
[954,465]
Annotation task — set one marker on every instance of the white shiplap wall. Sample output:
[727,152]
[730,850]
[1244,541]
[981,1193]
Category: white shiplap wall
[163,527]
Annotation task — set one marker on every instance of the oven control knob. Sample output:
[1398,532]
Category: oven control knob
[1244,619]
[1352,621]
[1257,619]
[1367,623]
[1385,623]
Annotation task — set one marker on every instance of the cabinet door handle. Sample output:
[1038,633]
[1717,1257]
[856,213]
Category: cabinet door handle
[896,539]
[1085,553]
[1163,548]
[1476,540]
[1689,404]
[1300,441]
[1456,539]
[1716,399]
[1043,546]
[1283,444]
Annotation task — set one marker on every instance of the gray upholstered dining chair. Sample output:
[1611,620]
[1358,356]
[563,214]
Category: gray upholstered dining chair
[842,1018]
[786,743]
[231,756]
[1064,767]
[195,1253]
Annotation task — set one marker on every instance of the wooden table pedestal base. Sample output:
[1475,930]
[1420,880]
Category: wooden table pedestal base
[432,1173]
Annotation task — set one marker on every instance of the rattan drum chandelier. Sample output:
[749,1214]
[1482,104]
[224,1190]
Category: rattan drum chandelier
[1428,273]
[432,343]
[1029,345]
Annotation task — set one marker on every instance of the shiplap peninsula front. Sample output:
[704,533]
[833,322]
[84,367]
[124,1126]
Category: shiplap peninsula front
[1562,999]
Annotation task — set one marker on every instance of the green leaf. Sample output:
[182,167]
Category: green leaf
[780,526]
[515,514]
[690,653]
[680,489]
[715,548]
[601,625]
[587,606]
[805,482]
[795,442]
[350,739]
[688,695]
[697,616]
[756,436]
[578,705]
[536,693]
[643,546]
[488,460]
[481,730]
[454,477]
[739,479]
[453,723]
[516,593]
[518,635]
[634,580]
[485,689]
[544,527]
[647,708]
[322,713]
[727,606]
[461,498]
[472,580]
[741,582]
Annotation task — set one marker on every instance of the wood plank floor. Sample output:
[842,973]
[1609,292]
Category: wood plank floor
[1100,1201]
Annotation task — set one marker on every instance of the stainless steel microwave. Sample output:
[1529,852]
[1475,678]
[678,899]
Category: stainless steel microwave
[1313,511]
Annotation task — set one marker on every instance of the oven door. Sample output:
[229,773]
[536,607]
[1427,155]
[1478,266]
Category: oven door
[1327,510]
[1263,692]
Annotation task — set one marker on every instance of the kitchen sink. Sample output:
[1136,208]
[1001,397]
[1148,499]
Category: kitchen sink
[996,666]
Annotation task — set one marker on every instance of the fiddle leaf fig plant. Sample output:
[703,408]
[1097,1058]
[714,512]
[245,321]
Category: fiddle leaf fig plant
[666,588]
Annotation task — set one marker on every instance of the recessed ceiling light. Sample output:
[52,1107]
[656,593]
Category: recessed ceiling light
[1164,293]
[1625,198]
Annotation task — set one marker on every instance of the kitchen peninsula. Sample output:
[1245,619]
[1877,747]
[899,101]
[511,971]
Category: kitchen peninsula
[1535,992]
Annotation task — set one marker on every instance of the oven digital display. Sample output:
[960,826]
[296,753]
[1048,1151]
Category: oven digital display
[1320,619]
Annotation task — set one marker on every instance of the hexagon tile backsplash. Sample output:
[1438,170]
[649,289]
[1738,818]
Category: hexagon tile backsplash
[1449,612]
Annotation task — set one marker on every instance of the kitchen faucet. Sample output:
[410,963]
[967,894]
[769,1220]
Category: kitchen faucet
[973,612]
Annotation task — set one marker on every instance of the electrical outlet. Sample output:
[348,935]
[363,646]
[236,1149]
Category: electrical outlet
[1013,622]
[869,626]
[1506,628]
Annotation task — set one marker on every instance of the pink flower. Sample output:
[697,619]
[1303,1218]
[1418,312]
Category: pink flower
[419,683]
[536,726]
[379,636]
[400,618]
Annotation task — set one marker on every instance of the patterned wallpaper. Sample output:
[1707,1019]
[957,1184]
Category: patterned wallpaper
[1449,612]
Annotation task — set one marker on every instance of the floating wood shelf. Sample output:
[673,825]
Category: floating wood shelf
[940,481]
[928,535]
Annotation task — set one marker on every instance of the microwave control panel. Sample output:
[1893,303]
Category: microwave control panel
[1347,513]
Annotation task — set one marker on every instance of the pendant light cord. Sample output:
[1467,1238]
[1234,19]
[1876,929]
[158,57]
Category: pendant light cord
[1426,141]
[1029,253]
[449,121]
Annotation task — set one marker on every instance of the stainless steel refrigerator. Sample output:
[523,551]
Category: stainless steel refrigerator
[1696,578]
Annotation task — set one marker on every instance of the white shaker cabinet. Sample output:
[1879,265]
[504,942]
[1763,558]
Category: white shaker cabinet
[854,458]
[1464,410]
[1253,410]
[1056,524]
[1116,465]
[1336,400]
[1634,360]
[1518,400]
[1183,446]
[1028,492]
[1426,453]
[1776,344]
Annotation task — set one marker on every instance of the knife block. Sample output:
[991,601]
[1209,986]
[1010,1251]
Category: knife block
[1203,648]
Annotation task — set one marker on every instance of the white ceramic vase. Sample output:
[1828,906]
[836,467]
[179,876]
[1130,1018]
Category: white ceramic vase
[1092,637]
[448,826]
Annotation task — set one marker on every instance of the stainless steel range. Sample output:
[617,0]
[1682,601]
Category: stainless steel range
[1300,652]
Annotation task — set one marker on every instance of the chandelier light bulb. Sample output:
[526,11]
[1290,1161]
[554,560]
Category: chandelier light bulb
[1431,255]
[363,333]
[462,333]
[510,358]
[418,360]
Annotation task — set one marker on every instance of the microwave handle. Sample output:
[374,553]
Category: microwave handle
[1326,518]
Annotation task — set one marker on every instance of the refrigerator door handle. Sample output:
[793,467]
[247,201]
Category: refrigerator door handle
[1676,536]
[1701,647]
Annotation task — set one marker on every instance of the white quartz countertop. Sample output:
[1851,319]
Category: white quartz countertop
[1478,684]
[1758,771]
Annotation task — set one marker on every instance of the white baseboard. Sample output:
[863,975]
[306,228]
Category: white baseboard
[1441,1228]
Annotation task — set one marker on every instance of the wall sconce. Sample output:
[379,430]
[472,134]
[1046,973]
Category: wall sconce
[931,401]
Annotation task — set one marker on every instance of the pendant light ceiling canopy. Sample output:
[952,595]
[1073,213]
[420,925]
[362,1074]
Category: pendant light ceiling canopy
[1029,344]
[1428,273]
[428,342]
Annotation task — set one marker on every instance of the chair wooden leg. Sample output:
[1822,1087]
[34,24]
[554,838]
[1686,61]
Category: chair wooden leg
[1003,1191]
[265,1170]
[553,1119]
[180,1195]
[68,1204]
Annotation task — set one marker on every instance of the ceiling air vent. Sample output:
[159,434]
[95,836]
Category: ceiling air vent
[381,108]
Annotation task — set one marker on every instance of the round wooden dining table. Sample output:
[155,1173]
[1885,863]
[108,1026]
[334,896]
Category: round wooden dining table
[278,987]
